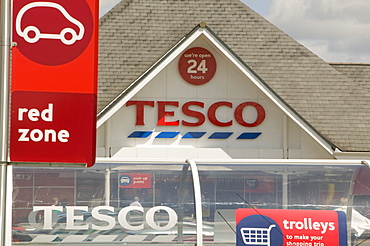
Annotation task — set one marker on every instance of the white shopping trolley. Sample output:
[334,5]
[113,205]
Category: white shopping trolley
[256,236]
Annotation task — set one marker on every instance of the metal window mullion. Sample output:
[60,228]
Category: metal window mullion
[197,201]
[6,170]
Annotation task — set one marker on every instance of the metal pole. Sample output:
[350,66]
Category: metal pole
[5,27]
[197,201]
[4,73]
[107,187]
[181,200]
[285,190]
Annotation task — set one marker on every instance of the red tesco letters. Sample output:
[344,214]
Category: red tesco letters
[163,108]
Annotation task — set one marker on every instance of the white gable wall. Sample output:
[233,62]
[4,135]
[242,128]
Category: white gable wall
[280,136]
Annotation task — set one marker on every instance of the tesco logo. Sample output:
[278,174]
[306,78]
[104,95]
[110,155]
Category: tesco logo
[73,213]
[197,110]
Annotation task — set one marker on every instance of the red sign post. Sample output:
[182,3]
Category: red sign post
[54,81]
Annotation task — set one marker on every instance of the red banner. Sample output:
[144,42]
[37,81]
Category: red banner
[259,184]
[54,81]
[278,227]
[135,180]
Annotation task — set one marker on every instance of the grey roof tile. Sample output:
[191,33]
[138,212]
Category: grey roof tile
[359,72]
[136,33]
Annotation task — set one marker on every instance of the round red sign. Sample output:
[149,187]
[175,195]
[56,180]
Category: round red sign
[54,32]
[197,66]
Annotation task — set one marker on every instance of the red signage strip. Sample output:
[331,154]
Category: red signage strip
[54,81]
[260,184]
[277,227]
[135,180]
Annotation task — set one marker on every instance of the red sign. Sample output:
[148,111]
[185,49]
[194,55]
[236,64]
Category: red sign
[278,227]
[54,81]
[135,180]
[259,184]
[197,66]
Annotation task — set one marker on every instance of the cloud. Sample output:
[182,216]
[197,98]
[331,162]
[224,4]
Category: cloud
[336,30]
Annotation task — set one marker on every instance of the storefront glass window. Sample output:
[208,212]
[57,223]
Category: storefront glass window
[129,203]
[228,187]
[154,203]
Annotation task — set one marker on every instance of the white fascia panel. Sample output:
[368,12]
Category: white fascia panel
[218,161]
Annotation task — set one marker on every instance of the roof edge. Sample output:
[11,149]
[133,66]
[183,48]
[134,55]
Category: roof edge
[107,110]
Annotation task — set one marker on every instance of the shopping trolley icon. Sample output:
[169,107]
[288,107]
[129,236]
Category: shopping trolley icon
[256,236]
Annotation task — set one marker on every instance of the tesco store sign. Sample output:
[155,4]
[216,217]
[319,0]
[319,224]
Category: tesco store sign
[198,96]
[196,110]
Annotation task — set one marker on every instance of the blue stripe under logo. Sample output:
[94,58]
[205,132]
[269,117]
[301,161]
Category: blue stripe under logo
[140,134]
[167,134]
[220,135]
[249,135]
[195,135]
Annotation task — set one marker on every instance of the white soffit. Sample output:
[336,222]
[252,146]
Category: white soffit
[146,77]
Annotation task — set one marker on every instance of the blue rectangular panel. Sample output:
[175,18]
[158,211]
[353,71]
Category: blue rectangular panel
[194,134]
[249,135]
[220,135]
[167,135]
[140,134]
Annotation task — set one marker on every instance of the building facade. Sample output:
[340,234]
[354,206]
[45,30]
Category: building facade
[205,108]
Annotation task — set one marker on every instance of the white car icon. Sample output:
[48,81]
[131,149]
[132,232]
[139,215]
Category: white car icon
[125,180]
[38,34]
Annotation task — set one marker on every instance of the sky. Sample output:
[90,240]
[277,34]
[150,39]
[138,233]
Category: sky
[335,30]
